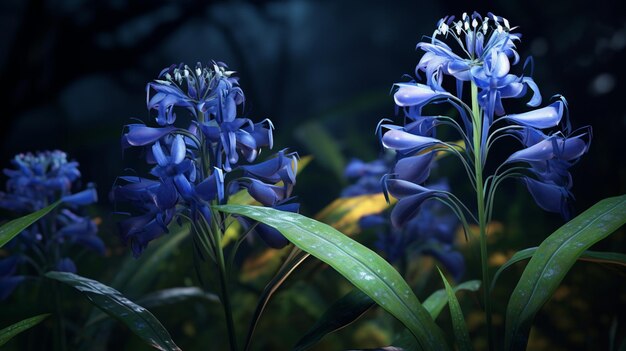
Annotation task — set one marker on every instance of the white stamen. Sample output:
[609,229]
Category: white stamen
[499,28]
[458,27]
[198,72]
[506,23]
[466,25]
[178,76]
[474,23]
[464,16]
[168,76]
[485,27]
[186,73]
[443,28]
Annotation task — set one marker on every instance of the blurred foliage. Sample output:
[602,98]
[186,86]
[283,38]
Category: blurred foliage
[74,73]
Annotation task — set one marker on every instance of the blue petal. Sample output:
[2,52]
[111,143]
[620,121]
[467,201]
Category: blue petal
[415,94]
[271,236]
[536,98]
[82,198]
[266,194]
[183,186]
[545,117]
[66,265]
[549,197]
[399,188]
[212,187]
[407,142]
[501,65]
[408,207]
[140,135]
[371,221]
[178,150]
[141,230]
[415,169]
[159,155]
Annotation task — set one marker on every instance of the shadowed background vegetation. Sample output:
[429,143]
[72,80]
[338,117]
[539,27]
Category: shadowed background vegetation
[73,73]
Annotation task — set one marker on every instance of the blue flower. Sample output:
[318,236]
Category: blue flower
[193,163]
[36,181]
[409,229]
[486,52]
[367,176]
[481,51]
[430,232]
[549,158]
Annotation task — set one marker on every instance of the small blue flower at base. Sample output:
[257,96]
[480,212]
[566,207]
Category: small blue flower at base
[276,170]
[37,180]
[367,176]
[430,232]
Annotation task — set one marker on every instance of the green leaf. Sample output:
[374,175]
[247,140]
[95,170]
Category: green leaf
[11,229]
[138,319]
[591,256]
[458,321]
[295,259]
[361,266]
[176,295]
[9,332]
[341,313]
[137,274]
[435,303]
[553,259]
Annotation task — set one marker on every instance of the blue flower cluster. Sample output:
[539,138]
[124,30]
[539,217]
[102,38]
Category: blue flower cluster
[37,181]
[431,232]
[483,56]
[191,164]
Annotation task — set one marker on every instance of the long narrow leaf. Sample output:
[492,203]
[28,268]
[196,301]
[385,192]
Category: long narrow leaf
[295,259]
[340,314]
[458,321]
[553,259]
[9,332]
[12,228]
[138,319]
[591,256]
[361,266]
[176,295]
[435,303]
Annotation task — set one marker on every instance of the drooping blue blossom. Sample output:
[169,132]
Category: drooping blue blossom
[479,51]
[202,158]
[36,181]
[366,176]
[430,232]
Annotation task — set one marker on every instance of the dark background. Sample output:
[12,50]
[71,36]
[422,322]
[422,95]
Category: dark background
[73,73]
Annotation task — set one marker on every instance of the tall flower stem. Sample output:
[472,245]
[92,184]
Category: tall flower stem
[60,325]
[225,298]
[480,198]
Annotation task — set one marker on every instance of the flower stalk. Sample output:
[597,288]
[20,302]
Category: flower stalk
[480,199]
[223,279]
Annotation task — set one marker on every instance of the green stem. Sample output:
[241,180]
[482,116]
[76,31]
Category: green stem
[480,198]
[221,264]
[60,325]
